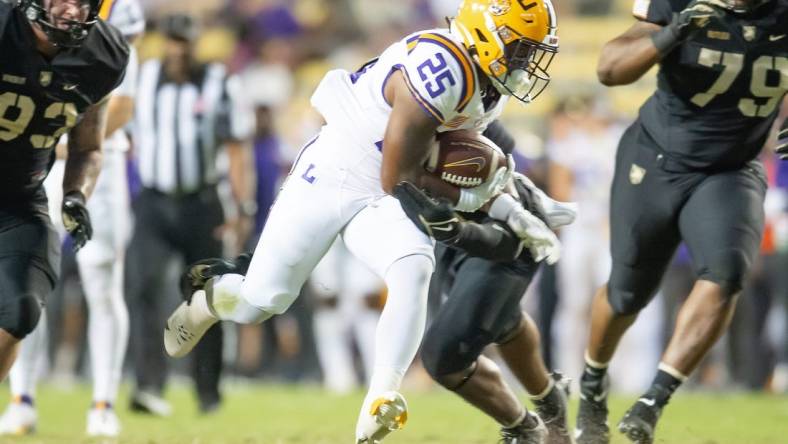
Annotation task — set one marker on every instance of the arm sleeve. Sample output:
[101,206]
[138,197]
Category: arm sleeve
[490,240]
[498,134]
[438,75]
[659,12]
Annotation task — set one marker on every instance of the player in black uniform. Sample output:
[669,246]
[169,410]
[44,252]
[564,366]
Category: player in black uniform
[58,62]
[686,170]
[481,275]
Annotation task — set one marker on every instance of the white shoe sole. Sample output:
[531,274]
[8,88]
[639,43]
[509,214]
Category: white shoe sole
[180,335]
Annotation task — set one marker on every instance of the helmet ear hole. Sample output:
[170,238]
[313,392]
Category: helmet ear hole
[481,36]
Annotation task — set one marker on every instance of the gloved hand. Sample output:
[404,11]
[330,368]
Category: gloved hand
[782,141]
[76,219]
[197,274]
[558,214]
[537,237]
[687,23]
[471,199]
[436,218]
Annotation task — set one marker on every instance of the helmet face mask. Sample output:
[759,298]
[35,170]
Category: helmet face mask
[526,74]
[65,22]
[512,41]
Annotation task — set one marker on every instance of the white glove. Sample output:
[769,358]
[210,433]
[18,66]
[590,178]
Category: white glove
[558,214]
[536,236]
[471,199]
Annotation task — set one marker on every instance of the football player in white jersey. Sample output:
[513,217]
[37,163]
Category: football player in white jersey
[100,261]
[381,122]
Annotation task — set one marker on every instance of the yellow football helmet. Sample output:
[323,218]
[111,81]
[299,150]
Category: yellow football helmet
[513,41]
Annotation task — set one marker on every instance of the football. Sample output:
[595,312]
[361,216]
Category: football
[465,158]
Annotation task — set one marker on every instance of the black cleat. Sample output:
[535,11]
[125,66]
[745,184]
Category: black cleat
[553,409]
[640,421]
[531,430]
[592,427]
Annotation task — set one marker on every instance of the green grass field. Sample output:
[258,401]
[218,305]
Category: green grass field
[300,415]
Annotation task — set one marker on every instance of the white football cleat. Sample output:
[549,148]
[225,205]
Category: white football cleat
[103,422]
[186,326]
[387,413]
[19,418]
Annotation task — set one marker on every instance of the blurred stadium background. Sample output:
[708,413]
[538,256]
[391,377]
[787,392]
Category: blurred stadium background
[276,390]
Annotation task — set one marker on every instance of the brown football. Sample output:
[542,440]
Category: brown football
[465,158]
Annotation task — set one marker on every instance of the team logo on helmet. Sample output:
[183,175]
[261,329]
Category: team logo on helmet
[499,7]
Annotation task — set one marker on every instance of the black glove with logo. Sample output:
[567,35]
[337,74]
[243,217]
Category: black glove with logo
[198,273]
[436,218]
[76,218]
[782,140]
[686,23]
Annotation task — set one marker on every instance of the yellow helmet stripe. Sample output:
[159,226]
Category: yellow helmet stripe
[106,9]
[424,104]
[468,76]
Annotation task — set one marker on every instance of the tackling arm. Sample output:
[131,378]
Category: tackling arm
[84,151]
[627,57]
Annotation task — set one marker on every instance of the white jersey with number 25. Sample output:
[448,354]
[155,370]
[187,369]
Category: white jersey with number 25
[441,77]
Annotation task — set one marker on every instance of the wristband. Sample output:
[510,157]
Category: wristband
[665,40]
[468,202]
[503,206]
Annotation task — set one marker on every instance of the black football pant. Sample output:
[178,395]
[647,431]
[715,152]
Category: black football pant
[29,262]
[167,225]
[481,306]
[656,203]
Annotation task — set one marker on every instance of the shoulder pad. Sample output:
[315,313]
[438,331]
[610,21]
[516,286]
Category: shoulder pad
[440,73]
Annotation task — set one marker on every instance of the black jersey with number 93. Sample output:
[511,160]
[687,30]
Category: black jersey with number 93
[40,99]
[719,92]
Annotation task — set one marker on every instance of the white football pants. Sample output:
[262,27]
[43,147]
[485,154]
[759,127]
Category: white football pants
[323,197]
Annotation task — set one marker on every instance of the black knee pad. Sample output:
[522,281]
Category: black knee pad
[444,354]
[728,269]
[630,289]
[19,316]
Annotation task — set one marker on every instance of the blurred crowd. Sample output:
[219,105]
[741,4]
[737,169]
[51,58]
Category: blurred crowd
[280,49]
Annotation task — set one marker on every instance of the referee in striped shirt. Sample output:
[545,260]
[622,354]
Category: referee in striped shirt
[186,114]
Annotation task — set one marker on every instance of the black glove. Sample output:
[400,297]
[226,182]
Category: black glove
[198,273]
[782,140]
[76,218]
[436,218]
[686,23]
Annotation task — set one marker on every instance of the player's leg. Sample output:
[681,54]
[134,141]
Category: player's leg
[301,226]
[29,253]
[331,325]
[469,321]
[145,276]
[576,283]
[383,238]
[199,218]
[100,264]
[644,234]
[722,223]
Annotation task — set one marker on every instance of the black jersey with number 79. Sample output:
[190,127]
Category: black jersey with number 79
[719,92]
[40,99]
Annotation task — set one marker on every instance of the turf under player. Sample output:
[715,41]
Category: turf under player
[100,261]
[481,275]
[686,170]
[381,120]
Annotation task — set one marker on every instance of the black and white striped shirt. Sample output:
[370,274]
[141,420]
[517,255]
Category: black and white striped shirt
[179,127]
